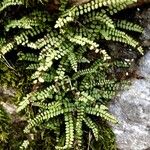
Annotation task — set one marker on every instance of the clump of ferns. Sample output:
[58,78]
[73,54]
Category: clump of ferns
[66,83]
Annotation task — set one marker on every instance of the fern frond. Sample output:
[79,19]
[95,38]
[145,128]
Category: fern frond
[69,132]
[47,77]
[23,104]
[78,128]
[123,24]
[82,41]
[83,72]
[42,16]
[116,35]
[100,17]
[53,111]
[74,12]
[24,145]
[32,67]
[122,64]
[6,3]
[72,57]
[106,92]
[92,126]
[52,38]
[28,57]
[60,73]
[21,39]
[101,111]
[63,4]
[46,115]
[119,5]
[86,98]
[36,96]
[25,23]
[6,48]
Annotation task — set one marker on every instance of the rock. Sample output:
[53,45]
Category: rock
[132,109]
[132,106]
[7,92]
[144,18]
[9,108]
[6,96]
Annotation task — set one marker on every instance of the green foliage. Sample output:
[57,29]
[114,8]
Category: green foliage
[4,121]
[66,83]
[6,76]
[6,3]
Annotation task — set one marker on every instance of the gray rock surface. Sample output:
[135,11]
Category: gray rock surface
[132,109]
[6,94]
[132,106]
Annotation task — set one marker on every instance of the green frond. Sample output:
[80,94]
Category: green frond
[50,39]
[63,4]
[6,48]
[107,93]
[92,126]
[23,104]
[53,111]
[21,39]
[122,64]
[83,72]
[28,57]
[83,41]
[47,77]
[102,112]
[86,98]
[76,11]
[36,96]
[97,82]
[6,3]
[25,23]
[78,127]
[72,58]
[42,16]
[25,144]
[116,35]
[32,67]
[123,24]
[63,21]
[69,132]
[43,94]
[100,17]
[119,5]
[45,116]
[60,73]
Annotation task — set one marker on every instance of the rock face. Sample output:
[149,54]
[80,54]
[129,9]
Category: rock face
[6,95]
[132,109]
[132,106]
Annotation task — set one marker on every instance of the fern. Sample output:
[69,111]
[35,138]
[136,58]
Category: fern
[6,3]
[92,126]
[56,51]
[69,132]
[4,128]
